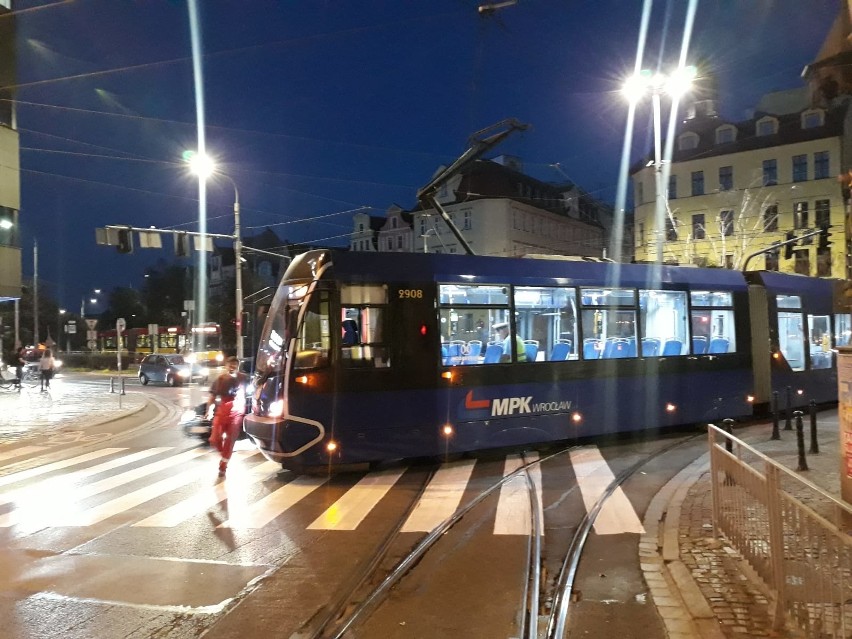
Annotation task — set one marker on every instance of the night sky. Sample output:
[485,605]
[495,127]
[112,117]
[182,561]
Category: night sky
[317,108]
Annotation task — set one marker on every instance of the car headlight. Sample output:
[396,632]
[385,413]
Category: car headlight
[57,363]
[183,373]
[191,358]
[220,357]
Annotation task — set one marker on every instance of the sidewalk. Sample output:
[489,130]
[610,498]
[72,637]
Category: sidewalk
[701,586]
[70,404]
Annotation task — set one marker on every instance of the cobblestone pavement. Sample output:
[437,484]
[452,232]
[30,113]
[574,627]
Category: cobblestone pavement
[721,595]
[69,404]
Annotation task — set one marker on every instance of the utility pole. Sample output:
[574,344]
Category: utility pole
[35,292]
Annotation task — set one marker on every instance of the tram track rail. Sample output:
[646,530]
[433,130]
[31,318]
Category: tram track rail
[371,585]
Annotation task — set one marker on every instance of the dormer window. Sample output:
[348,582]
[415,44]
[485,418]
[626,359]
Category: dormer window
[813,118]
[726,134]
[767,126]
[687,141]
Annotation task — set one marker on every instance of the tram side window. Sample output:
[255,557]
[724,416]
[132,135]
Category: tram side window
[608,318]
[665,330]
[791,334]
[468,316]
[546,321]
[712,318]
[819,338]
[362,326]
[843,329]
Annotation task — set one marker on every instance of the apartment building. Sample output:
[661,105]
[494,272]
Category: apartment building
[10,172]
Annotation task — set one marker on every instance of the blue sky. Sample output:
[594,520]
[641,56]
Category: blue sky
[318,108]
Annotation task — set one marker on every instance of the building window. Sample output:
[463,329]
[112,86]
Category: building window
[767,126]
[770,172]
[823,258]
[821,165]
[800,168]
[698,183]
[726,178]
[687,141]
[672,187]
[800,215]
[726,222]
[671,229]
[399,241]
[725,134]
[770,218]
[729,261]
[822,213]
[772,262]
[468,224]
[698,232]
[640,234]
[640,193]
[812,119]
[803,262]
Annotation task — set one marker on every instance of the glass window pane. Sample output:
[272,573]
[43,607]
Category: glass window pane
[545,317]
[819,335]
[711,298]
[361,294]
[791,339]
[843,329]
[789,301]
[607,297]
[456,294]
[664,324]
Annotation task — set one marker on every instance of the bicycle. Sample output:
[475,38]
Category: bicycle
[8,380]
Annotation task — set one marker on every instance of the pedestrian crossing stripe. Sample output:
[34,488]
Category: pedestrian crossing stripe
[56,502]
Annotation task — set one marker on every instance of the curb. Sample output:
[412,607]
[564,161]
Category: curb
[684,610]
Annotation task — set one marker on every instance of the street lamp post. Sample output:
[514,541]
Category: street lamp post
[59,330]
[204,166]
[674,85]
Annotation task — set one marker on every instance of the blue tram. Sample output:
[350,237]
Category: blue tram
[369,357]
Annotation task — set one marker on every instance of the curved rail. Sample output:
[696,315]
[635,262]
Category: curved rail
[565,583]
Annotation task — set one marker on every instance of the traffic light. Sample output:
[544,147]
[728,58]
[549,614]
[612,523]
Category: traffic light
[181,244]
[788,248]
[824,242]
[125,241]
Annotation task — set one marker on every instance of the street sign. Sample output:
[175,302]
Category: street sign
[71,328]
[91,323]
[90,335]
[120,325]
[92,344]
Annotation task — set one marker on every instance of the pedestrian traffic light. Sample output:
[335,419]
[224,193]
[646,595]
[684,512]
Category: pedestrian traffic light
[788,248]
[824,234]
[125,241]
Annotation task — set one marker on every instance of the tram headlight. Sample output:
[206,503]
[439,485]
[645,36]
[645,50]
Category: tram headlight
[276,408]
[331,446]
[670,408]
[576,418]
[447,430]
[750,399]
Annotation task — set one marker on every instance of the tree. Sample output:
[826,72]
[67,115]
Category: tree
[164,292]
[127,303]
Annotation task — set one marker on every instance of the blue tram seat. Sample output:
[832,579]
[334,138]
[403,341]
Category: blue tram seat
[616,348]
[560,351]
[531,351]
[672,347]
[821,359]
[493,353]
[445,355]
[350,332]
[455,349]
[699,345]
[590,348]
[650,347]
[474,348]
[718,345]
[631,347]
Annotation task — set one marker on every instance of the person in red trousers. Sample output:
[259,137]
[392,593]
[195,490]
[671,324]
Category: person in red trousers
[229,389]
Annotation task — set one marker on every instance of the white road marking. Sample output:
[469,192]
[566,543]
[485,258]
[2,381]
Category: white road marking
[233,489]
[617,515]
[23,450]
[513,508]
[265,510]
[59,465]
[357,502]
[441,497]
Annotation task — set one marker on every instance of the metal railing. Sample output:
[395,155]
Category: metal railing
[792,533]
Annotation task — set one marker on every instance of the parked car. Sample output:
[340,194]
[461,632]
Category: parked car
[170,369]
